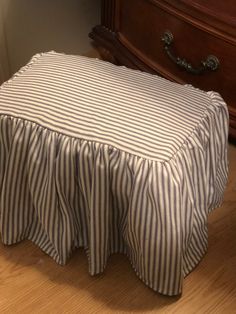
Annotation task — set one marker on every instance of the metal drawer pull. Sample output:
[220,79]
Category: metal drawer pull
[211,63]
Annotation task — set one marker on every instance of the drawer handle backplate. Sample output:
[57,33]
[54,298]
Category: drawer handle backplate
[211,63]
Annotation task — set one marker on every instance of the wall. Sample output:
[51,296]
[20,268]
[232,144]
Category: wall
[33,26]
[4,62]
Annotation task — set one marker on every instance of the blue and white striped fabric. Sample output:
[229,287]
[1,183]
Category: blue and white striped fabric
[111,159]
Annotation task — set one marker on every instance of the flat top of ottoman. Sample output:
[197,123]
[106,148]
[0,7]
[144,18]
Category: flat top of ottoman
[90,99]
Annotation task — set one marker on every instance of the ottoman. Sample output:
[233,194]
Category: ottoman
[113,160]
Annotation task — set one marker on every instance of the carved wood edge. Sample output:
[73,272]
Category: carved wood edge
[108,43]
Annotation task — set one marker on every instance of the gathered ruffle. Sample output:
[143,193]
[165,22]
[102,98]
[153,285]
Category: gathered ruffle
[63,193]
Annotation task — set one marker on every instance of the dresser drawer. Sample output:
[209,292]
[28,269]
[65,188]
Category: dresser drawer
[141,27]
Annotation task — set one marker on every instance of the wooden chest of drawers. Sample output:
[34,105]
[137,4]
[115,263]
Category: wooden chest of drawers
[185,41]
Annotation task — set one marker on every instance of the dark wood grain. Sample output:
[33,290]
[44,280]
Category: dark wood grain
[200,28]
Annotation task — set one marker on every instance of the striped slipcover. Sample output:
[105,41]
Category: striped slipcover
[113,160]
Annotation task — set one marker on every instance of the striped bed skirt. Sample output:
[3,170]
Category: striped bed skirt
[112,160]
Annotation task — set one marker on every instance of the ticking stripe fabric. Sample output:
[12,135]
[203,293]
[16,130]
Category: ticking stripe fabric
[113,160]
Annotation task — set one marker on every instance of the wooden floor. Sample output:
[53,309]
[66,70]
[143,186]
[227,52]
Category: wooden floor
[31,282]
